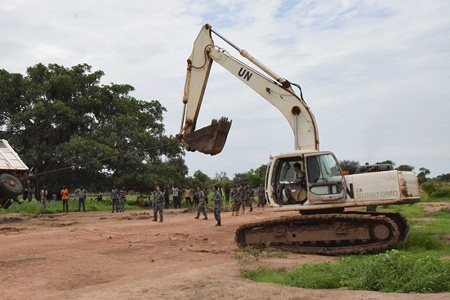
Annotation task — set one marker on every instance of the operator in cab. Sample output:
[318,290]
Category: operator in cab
[297,186]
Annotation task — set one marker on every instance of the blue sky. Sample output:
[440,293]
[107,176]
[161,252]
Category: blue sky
[374,73]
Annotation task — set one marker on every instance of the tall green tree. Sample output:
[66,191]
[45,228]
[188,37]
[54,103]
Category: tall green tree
[422,176]
[95,135]
[254,177]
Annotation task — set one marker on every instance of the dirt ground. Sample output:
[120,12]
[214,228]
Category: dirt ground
[100,255]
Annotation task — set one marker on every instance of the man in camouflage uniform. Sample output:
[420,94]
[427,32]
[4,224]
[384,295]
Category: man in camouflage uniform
[242,195]
[249,195]
[236,203]
[261,196]
[201,203]
[159,205]
[217,198]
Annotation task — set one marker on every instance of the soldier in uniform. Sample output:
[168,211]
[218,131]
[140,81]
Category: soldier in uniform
[201,203]
[227,193]
[217,198]
[159,205]
[236,204]
[249,195]
[242,197]
[261,196]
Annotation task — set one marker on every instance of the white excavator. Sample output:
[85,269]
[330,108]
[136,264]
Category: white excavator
[306,179]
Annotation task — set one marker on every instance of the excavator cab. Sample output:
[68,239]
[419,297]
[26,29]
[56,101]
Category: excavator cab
[210,139]
[324,182]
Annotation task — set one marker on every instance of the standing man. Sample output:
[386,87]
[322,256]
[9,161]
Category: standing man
[176,194]
[217,198]
[227,193]
[195,197]
[115,199]
[65,199]
[201,203]
[187,196]
[44,193]
[242,195]
[261,196]
[249,195]
[236,204]
[159,205]
[81,193]
[122,196]
[166,198]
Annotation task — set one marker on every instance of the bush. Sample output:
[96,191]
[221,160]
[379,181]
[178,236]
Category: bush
[436,188]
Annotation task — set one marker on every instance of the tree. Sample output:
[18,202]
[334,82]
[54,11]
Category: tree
[253,177]
[96,135]
[201,178]
[444,177]
[349,165]
[221,176]
[405,168]
[422,176]
[386,162]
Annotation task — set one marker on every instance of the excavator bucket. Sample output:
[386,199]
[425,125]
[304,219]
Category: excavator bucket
[210,139]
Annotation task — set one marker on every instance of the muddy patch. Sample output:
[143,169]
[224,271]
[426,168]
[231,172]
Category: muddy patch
[9,220]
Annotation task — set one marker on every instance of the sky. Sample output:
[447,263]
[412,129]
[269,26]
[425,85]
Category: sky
[375,74]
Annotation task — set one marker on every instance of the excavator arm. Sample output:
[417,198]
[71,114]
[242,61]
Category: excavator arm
[275,89]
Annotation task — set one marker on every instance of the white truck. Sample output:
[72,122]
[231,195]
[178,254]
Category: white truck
[13,172]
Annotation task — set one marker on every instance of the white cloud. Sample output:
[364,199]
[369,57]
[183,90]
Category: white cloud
[375,73]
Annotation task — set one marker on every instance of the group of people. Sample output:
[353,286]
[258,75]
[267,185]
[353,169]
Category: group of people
[201,208]
[81,194]
[242,197]
[118,199]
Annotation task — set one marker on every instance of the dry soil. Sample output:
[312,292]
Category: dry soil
[100,255]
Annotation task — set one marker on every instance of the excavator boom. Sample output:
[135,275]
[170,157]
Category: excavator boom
[275,89]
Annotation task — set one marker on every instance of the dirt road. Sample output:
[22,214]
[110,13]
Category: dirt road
[100,255]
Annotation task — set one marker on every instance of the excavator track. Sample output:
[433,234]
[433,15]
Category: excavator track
[328,234]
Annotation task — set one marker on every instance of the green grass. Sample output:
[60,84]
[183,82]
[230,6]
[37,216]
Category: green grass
[34,207]
[406,210]
[420,264]
[424,197]
[392,271]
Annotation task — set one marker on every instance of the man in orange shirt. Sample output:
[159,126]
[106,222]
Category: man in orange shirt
[65,199]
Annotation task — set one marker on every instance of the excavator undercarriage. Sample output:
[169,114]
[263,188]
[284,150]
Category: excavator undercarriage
[328,234]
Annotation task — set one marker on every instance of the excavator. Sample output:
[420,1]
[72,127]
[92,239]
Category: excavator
[306,179]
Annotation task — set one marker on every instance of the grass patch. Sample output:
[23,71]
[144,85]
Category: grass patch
[424,197]
[406,210]
[393,271]
[34,207]
[415,265]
